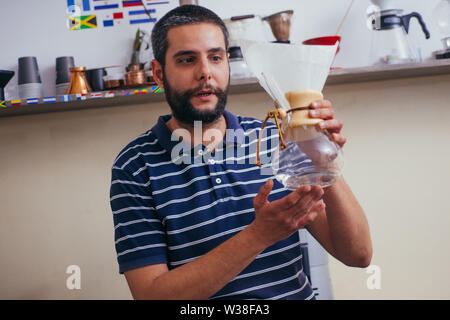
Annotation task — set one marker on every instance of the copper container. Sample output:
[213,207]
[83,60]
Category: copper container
[78,82]
[114,83]
[134,78]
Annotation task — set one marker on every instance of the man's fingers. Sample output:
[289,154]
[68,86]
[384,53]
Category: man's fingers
[308,201]
[321,104]
[312,214]
[322,113]
[339,139]
[300,199]
[263,194]
[333,125]
[292,199]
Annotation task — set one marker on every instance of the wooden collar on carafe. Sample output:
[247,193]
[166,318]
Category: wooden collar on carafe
[300,101]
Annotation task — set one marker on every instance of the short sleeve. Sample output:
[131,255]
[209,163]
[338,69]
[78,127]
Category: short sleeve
[138,231]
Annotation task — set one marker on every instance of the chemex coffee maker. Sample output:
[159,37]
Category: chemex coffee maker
[294,76]
[390,38]
[5,76]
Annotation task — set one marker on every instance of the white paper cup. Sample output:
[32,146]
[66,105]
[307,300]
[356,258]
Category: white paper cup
[30,90]
[61,88]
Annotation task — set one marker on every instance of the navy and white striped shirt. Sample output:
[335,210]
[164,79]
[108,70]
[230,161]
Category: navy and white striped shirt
[173,211]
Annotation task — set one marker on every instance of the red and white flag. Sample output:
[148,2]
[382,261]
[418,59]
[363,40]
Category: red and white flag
[96,95]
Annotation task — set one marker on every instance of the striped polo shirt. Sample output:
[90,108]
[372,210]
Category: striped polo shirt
[173,203]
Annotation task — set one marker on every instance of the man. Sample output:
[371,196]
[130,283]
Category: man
[210,228]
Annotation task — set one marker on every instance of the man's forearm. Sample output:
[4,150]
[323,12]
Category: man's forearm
[349,230]
[206,275]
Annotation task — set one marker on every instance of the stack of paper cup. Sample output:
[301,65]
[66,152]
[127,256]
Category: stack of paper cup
[63,65]
[30,84]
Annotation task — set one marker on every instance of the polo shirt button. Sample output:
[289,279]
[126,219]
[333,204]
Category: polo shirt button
[212,161]
[218,180]
[200,152]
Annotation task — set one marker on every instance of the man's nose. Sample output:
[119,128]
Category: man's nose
[204,70]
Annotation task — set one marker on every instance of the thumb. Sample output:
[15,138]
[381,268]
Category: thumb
[263,194]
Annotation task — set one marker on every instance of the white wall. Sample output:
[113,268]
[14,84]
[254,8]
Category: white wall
[38,28]
[397,163]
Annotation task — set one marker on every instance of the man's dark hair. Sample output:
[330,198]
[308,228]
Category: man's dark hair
[180,16]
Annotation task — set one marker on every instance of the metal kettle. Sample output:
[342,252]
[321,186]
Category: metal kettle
[390,39]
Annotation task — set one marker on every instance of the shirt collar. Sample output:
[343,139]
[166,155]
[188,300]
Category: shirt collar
[163,134]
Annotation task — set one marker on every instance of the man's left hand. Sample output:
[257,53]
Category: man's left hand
[323,109]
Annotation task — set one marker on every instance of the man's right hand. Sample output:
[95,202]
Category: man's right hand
[277,220]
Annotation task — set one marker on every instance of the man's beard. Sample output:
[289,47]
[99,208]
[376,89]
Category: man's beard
[185,112]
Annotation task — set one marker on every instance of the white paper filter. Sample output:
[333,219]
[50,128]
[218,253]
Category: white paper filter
[290,66]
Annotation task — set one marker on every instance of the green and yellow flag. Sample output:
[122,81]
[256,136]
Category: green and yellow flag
[156,89]
[83,22]
[2,104]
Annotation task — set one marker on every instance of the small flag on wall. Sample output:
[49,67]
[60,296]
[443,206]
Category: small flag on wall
[2,104]
[140,91]
[77,5]
[106,6]
[32,101]
[140,16]
[93,14]
[80,96]
[131,3]
[94,95]
[49,99]
[15,103]
[65,97]
[83,22]
[156,89]
[116,19]
[109,94]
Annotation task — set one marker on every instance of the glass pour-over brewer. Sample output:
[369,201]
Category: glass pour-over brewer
[390,42]
[294,76]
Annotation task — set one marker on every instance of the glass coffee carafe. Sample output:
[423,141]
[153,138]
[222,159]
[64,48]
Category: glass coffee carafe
[307,155]
[294,78]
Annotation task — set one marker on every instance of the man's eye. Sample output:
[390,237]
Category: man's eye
[186,60]
[216,58]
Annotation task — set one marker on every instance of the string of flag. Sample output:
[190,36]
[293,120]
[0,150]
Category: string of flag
[79,97]
[92,14]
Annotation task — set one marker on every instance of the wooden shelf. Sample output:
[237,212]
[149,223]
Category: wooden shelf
[238,86]
[386,72]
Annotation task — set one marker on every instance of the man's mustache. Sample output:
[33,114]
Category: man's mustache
[215,90]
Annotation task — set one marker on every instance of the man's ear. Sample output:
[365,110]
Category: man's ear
[157,73]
